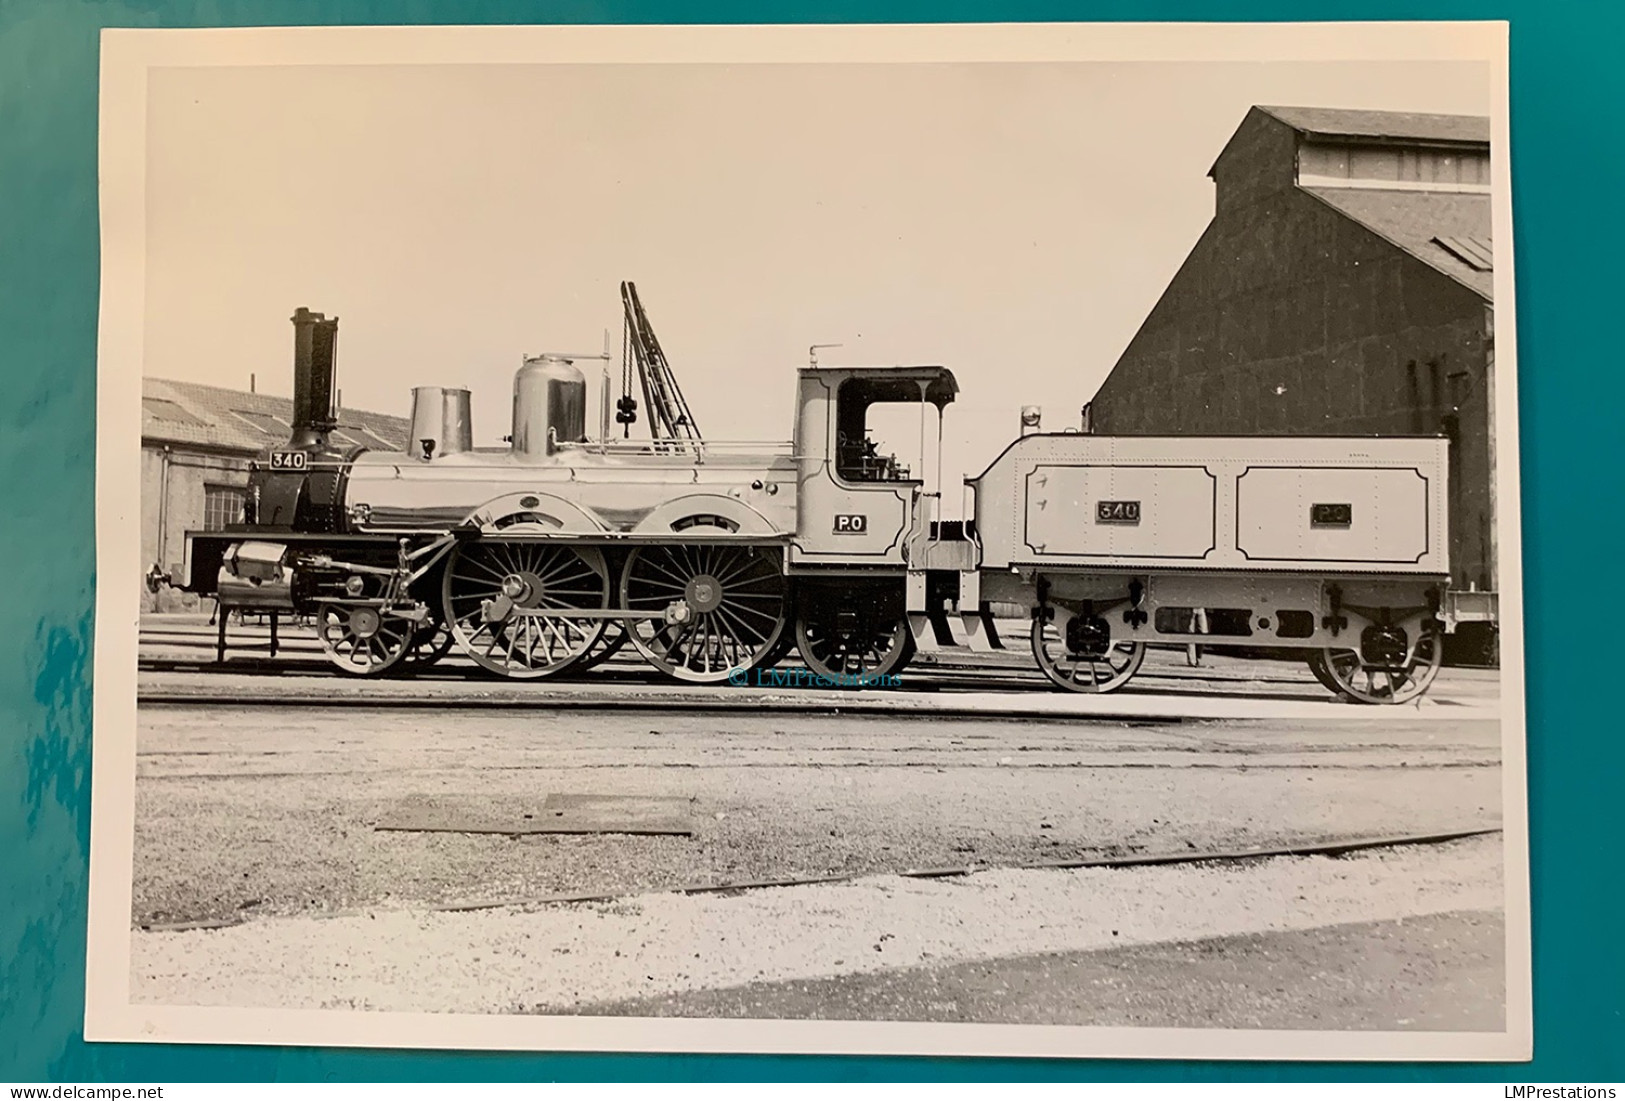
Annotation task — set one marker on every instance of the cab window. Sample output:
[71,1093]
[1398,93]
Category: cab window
[877,431]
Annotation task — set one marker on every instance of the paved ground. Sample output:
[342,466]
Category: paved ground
[556,958]
[1439,972]
[260,797]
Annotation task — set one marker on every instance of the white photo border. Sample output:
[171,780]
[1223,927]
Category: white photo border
[128,56]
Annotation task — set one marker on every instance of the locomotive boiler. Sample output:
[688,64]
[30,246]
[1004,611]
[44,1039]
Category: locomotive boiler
[542,557]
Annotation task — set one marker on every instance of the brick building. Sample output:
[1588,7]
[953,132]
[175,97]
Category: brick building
[196,444]
[1343,287]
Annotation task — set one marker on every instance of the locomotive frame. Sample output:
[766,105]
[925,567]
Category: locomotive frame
[547,556]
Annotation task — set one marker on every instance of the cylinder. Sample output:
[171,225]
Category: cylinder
[549,406]
[442,422]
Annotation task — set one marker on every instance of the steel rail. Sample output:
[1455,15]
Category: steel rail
[1330,847]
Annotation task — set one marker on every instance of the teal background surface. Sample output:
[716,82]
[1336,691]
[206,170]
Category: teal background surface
[1568,95]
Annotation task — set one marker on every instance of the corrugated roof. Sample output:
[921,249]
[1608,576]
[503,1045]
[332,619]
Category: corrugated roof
[189,413]
[1379,125]
[1417,221]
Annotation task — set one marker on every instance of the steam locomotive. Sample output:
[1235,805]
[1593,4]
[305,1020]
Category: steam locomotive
[544,556]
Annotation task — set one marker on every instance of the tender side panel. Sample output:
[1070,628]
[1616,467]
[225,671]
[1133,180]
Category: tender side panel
[1095,511]
[1331,514]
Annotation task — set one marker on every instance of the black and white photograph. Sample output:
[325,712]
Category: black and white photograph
[983,540]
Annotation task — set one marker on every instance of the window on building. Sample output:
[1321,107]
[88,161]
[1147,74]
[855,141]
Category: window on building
[222,506]
[1419,167]
[1476,252]
[165,410]
[371,437]
[271,425]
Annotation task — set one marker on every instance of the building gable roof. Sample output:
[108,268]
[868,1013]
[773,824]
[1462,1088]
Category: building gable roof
[1397,126]
[192,414]
[1448,231]
[1380,127]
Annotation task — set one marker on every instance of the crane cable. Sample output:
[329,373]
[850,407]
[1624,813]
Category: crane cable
[626,409]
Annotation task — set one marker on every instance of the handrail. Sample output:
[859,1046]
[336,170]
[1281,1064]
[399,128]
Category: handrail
[685,456]
[667,447]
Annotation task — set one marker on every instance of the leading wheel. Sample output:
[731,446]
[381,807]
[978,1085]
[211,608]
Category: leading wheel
[1088,668]
[1349,675]
[510,604]
[720,608]
[853,633]
[363,640]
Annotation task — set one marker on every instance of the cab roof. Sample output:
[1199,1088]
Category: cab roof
[893,382]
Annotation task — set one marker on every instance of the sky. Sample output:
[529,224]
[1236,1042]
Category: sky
[1014,222]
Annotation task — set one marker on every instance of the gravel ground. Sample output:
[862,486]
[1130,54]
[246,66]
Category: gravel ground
[1439,972]
[654,945]
[270,811]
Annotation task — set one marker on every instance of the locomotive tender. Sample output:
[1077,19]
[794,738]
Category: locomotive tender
[548,554]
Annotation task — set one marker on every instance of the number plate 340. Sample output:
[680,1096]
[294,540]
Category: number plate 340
[1117,512]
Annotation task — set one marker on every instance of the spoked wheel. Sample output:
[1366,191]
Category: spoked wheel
[363,641]
[1347,674]
[431,642]
[721,608]
[609,644]
[853,633]
[781,650]
[1317,666]
[1082,668]
[509,604]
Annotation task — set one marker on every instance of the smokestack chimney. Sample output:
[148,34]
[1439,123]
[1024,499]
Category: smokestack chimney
[315,341]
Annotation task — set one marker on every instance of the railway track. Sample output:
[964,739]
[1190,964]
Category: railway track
[177,668]
[1326,846]
[188,648]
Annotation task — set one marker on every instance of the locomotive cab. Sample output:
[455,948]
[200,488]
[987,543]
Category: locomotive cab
[866,440]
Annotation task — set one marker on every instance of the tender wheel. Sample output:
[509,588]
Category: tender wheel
[509,604]
[853,631]
[721,608]
[1349,675]
[1081,666]
[363,641]
[1317,666]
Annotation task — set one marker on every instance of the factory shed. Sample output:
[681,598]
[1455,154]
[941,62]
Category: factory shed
[1345,286]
